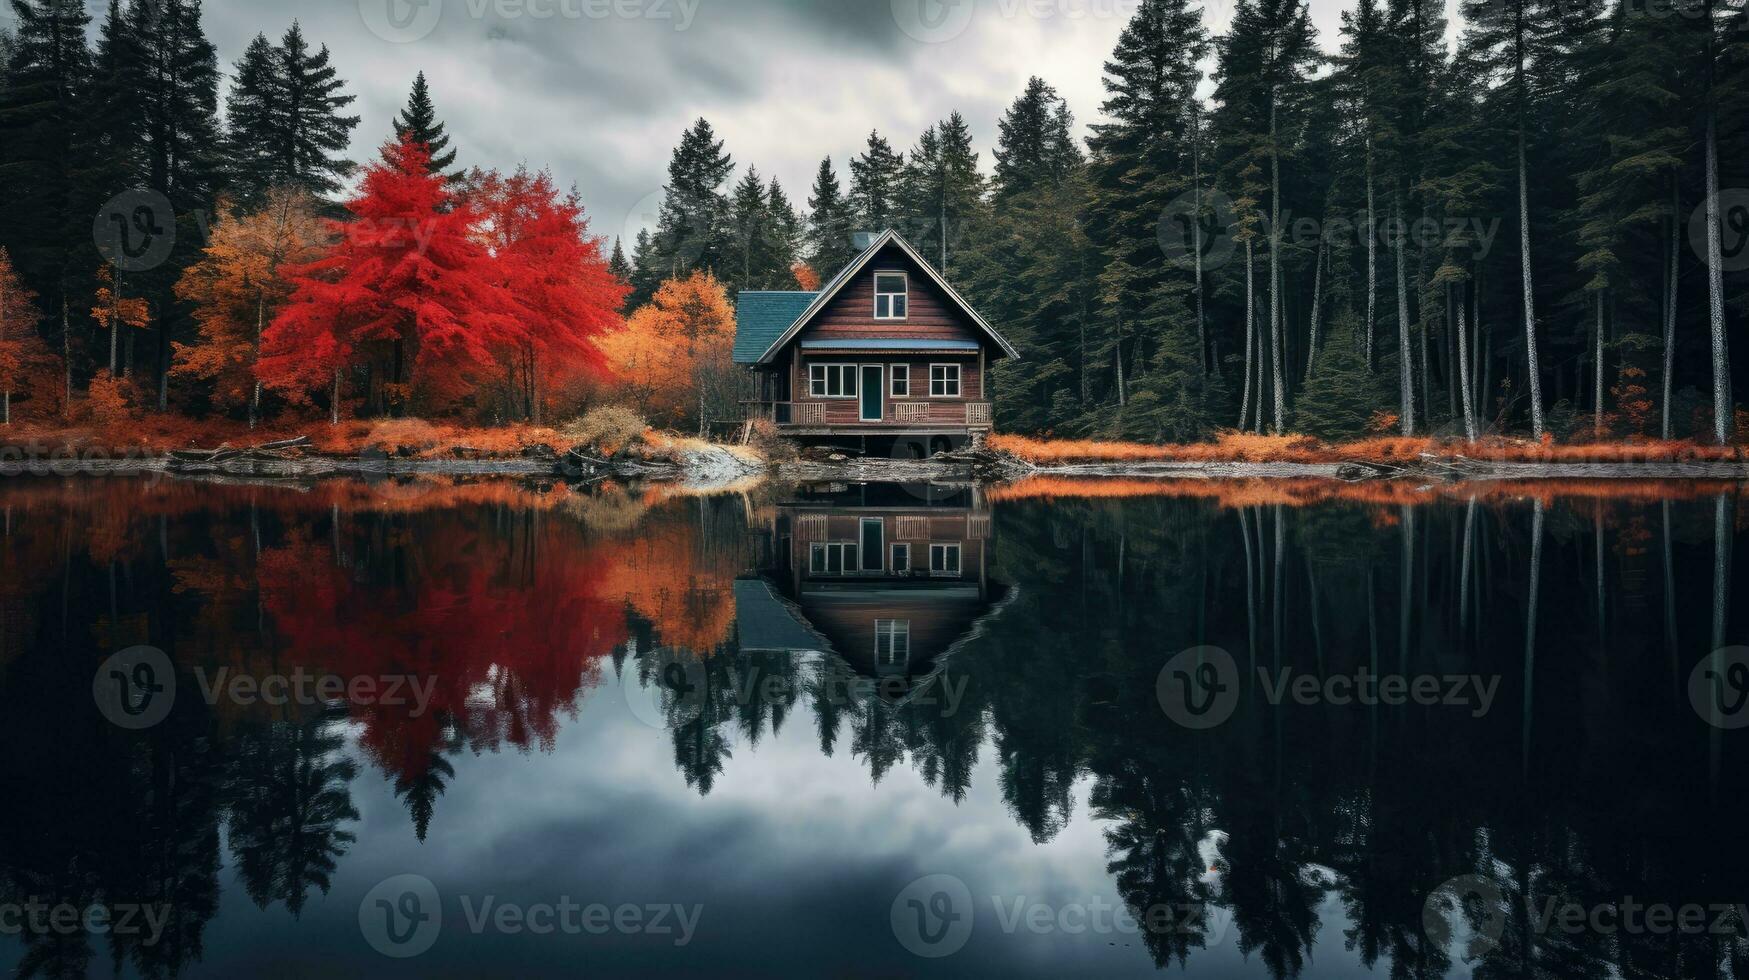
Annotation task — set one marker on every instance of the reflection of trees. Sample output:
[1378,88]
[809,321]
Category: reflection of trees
[509,607]
[1380,805]
[290,796]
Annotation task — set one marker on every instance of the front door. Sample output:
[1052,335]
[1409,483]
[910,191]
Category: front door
[873,392]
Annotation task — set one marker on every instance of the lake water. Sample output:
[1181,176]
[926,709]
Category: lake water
[1247,729]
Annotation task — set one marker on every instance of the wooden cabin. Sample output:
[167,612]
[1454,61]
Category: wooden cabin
[885,357]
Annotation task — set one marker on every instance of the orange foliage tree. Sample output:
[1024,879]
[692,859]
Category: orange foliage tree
[238,286]
[20,349]
[112,311]
[565,294]
[673,358]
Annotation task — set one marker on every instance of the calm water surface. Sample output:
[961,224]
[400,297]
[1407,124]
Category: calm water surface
[871,730]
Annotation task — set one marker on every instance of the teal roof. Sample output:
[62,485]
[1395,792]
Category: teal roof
[762,317]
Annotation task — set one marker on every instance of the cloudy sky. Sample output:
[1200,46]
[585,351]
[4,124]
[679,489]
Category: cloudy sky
[599,91]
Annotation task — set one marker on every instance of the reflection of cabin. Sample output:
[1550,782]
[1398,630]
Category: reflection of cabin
[885,352]
[890,581]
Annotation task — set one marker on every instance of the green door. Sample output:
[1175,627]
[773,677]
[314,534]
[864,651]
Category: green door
[873,392]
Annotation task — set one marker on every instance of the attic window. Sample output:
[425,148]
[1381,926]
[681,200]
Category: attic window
[891,295]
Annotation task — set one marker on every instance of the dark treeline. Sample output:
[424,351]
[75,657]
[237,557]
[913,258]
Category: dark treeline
[112,138]
[1505,234]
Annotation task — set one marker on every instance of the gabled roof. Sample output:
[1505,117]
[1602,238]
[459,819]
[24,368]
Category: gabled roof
[829,291]
[762,317]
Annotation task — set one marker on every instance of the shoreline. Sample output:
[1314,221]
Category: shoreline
[719,467]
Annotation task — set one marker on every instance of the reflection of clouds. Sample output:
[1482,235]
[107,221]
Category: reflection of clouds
[790,850]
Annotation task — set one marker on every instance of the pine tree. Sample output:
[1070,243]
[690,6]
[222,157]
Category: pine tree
[748,257]
[419,120]
[1262,93]
[874,185]
[1343,394]
[646,274]
[252,120]
[617,263]
[43,149]
[1036,145]
[941,191]
[693,229]
[1510,37]
[285,126]
[1139,166]
[785,235]
[1364,82]
[312,132]
[830,223]
[179,93]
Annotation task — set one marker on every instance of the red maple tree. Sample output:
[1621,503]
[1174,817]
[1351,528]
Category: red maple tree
[407,288]
[565,294]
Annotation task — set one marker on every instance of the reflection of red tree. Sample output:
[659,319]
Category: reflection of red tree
[455,601]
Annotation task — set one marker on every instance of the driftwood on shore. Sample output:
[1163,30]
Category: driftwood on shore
[296,459]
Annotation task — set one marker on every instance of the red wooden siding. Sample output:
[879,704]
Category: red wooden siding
[931,313]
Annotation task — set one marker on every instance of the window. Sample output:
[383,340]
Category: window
[832,558]
[891,295]
[832,380]
[944,380]
[901,559]
[892,642]
[901,374]
[944,559]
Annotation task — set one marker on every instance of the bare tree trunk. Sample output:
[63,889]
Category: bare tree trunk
[1278,384]
[1405,343]
[1464,379]
[1317,309]
[114,321]
[1672,284]
[66,357]
[1202,341]
[260,325]
[1537,425]
[1597,374]
[6,393]
[334,401]
[1250,334]
[1372,259]
[1722,408]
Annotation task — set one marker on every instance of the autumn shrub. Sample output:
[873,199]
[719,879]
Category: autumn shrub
[108,400]
[402,436]
[609,430]
[764,438]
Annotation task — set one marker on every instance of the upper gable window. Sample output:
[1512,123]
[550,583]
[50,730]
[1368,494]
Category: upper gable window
[892,295]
